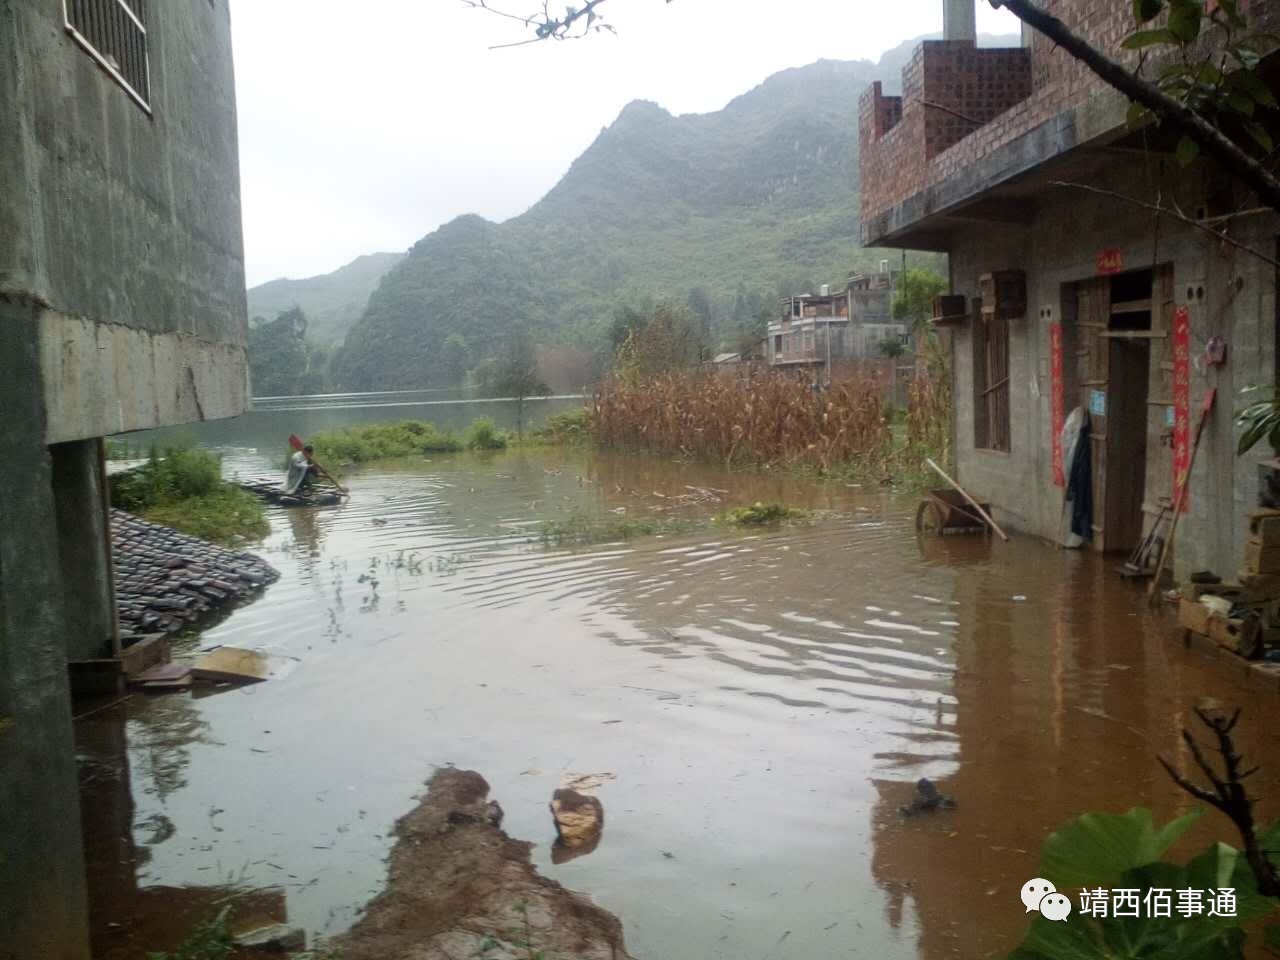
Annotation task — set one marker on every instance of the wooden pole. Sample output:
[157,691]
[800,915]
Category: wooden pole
[1181,497]
[972,502]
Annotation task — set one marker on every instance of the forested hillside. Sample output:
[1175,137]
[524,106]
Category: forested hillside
[333,302]
[723,212]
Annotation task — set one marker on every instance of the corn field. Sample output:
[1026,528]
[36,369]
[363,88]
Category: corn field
[766,418]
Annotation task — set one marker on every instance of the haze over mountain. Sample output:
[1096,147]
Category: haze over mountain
[737,207]
[331,301]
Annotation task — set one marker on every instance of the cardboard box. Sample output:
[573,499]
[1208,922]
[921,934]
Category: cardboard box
[1238,636]
[1195,616]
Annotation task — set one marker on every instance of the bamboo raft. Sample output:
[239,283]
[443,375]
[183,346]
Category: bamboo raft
[271,492]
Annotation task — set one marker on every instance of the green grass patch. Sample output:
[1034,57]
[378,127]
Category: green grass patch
[762,514]
[580,528]
[227,516]
[184,489]
[382,441]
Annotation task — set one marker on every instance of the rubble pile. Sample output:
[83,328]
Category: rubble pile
[166,580]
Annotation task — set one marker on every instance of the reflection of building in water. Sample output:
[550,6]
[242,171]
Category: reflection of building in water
[128,919]
[1065,692]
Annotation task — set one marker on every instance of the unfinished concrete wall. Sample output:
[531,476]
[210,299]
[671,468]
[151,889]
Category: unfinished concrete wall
[42,884]
[125,226]
[1059,249]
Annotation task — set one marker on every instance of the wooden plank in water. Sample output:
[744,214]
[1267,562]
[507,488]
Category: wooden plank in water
[232,664]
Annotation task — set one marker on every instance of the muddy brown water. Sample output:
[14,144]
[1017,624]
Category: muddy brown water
[765,699]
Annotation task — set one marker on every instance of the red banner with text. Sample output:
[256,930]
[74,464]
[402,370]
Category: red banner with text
[1181,400]
[1056,401]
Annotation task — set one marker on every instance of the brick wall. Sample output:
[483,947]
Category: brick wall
[1011,91]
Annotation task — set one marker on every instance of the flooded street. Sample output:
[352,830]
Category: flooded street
[766,701]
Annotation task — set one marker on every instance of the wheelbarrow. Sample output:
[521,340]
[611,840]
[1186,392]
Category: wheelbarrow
[946,511]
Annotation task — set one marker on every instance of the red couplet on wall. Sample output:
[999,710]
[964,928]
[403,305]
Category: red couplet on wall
[1056,401]
[1110,260]
[1181,401]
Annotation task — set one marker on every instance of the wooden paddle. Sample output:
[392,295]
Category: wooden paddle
[295,441]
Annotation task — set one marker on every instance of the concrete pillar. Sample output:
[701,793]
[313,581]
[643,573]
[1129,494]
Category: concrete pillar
[43,900]
[959,20]
[84,549]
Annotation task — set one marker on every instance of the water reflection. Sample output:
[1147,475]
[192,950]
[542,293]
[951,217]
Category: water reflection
[767,700]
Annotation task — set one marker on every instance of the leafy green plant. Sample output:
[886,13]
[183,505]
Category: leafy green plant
[1220,80]
[209,940]
[1123,851]
[1259,419]
[165,478]
[483,434]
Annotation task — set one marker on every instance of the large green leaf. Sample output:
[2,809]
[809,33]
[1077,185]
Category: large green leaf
[1187,151]
[1096,849]
[1141,39]
[1184,19]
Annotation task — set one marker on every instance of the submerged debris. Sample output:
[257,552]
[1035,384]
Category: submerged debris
[927,799]
[458,886]
[759,514]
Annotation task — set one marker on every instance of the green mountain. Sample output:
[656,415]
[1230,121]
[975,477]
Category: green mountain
[723,211]
[332,302]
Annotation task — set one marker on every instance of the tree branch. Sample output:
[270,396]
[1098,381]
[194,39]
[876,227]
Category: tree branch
[1228,794]
[545,26]
[1232,158]
[1175,214]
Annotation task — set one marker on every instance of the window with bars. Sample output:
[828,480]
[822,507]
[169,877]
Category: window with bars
[114,32]
[990,380]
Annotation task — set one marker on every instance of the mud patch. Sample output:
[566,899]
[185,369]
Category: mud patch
[458,886]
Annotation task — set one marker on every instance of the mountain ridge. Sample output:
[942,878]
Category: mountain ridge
[744,204]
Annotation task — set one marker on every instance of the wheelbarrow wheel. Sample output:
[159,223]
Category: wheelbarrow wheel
[928,518]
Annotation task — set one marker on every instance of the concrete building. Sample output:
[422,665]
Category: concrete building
[1073,297]
[122,307]
[817,330]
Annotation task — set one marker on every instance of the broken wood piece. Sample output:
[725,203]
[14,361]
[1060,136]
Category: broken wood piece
[164,676]
[231,664]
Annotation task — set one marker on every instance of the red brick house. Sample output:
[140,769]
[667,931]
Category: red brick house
[1074,298]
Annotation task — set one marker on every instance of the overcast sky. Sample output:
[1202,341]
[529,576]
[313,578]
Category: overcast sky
[364,126]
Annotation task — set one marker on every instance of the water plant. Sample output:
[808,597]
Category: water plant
[580,528]
[209,940]
[761,514]
[571,428]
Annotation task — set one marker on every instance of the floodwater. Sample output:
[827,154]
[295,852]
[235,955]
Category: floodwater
[765,699]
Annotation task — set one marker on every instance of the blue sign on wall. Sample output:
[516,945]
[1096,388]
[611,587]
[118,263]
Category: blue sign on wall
[1098,403]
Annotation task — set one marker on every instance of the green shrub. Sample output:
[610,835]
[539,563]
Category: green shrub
[484,435]
[570,428]
[382,441]
[176,475]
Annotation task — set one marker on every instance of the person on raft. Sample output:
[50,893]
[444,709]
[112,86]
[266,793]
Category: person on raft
[302,472]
